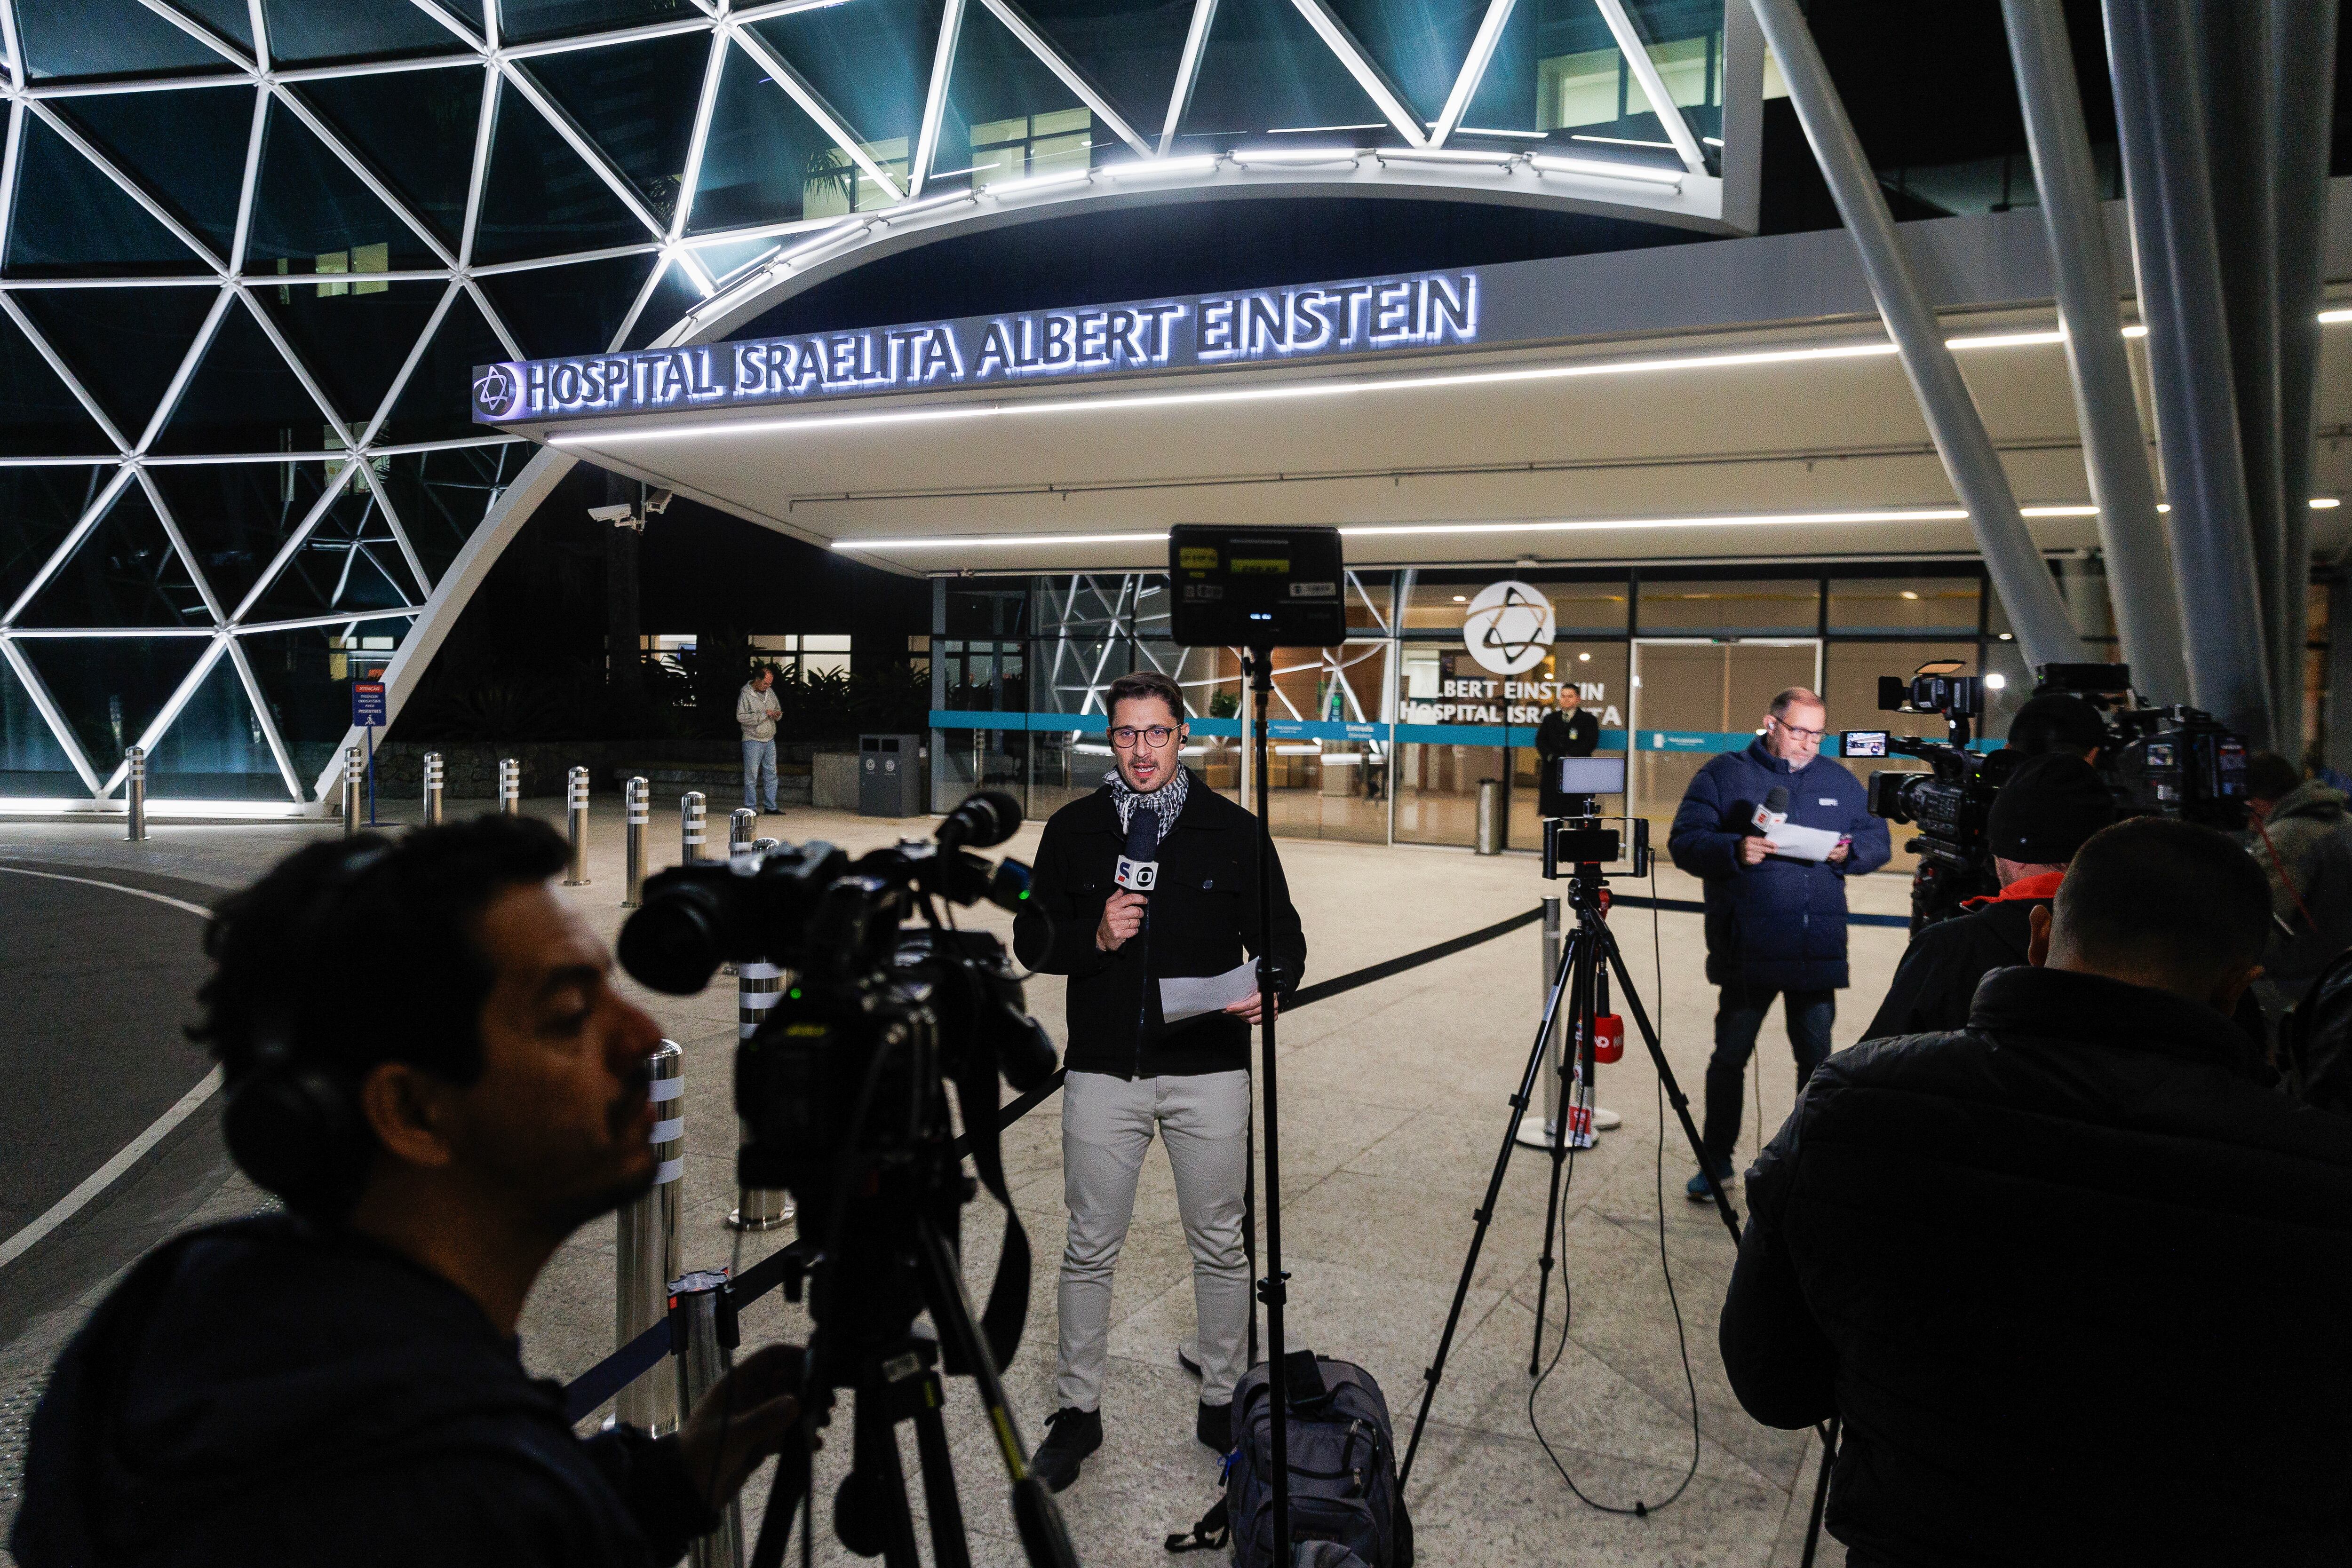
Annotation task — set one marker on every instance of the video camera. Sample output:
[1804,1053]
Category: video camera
[842,1091]
[2174,761]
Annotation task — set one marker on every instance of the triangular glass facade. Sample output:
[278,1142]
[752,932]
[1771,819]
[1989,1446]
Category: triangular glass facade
[235,408]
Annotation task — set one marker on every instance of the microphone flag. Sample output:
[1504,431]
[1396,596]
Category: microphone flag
[1139,868]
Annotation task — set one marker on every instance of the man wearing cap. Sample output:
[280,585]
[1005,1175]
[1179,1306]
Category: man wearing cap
[2052,803]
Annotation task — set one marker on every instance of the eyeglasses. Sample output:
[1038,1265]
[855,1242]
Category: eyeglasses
[1127,735]
[1799,731]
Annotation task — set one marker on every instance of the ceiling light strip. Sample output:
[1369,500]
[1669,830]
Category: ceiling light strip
[1380,530]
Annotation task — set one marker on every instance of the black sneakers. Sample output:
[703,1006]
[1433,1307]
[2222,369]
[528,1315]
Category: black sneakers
[1071,1434]
[1215,1426]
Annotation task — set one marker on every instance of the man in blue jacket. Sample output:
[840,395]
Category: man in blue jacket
[1775,923]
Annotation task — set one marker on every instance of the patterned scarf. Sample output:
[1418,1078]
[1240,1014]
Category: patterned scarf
[1165,801]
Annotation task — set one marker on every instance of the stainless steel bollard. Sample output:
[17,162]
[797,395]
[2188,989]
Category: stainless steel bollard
[433,788]
[510,785]
[1490,816]
[757,987]
[644,1250]
[134,793]
[1537,1135]
[690,811]
[702,1360]
[741,829]
[352,766]
[637,805]
[577,798]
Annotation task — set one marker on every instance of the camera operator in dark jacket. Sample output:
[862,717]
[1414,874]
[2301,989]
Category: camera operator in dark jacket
[2069,1274]
[341,1384]
[2045,811]
[1118,933]
[1775,923]
[2300,835]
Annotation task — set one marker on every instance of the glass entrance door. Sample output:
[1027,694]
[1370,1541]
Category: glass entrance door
[1694,699]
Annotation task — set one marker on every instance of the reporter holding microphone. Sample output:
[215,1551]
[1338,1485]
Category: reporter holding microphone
[1775,908]
[1152,877]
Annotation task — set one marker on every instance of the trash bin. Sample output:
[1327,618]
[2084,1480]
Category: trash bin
[889,775]
[1490,816]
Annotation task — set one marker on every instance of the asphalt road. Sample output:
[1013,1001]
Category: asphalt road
[95,984]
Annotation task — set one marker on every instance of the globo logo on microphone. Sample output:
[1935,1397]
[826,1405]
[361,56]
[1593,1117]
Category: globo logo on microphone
[1135,875]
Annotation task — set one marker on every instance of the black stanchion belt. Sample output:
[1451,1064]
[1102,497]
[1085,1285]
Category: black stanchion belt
[625,1365]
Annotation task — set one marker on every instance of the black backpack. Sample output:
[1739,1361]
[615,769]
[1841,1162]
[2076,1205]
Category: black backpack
[1342,1462]
[2315,1039]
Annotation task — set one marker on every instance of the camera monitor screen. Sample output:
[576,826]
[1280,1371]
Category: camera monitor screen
[1257,587]
[1593,776]
[1863,743]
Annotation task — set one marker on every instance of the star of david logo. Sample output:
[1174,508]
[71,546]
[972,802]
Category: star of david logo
[1509,627]
[497,391]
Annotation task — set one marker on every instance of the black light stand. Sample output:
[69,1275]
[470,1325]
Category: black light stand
[1579,983]
[1270,1286]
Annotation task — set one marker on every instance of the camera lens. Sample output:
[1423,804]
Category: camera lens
[672,944]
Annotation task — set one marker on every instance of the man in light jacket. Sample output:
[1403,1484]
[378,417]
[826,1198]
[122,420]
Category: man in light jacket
[756,713]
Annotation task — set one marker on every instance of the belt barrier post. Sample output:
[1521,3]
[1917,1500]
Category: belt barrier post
[646,1244]
[740,828]
[510,785]
[135,793]
[432,789]
[1530,1134]
[576,796]
[636,804]
[690,811]
[352,764]
[702,1360]
[1490,816]
[757,987]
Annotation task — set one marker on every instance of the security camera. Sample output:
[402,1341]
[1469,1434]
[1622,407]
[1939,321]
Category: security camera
[619,512]
[657,502]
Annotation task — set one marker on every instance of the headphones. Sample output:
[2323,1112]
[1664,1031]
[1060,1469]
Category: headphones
[296,1127]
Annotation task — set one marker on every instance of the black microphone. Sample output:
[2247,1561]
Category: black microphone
[985,819]
[1774,811]
[1139,868]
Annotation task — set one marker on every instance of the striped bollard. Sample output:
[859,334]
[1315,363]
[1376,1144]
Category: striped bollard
[510,785]
[740,828]
[690,811]
[577,798]
[134,793]
[646,1247]
[637,805]
[353,765]
[758,986]
[433,788]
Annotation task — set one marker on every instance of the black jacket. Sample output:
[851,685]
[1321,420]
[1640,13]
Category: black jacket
[1202,916]
[2075,1282]
[1567,735]
[266,1393]
[1936,981]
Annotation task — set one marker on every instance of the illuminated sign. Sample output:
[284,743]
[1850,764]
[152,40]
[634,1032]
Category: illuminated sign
[1193,333]
[1509,627]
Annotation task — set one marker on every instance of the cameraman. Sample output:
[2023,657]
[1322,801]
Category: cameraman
[341,1382]
[2060,1270]
[2050,805]
[1129,1071]
[2301,834]
[2060,722]
[1775,924]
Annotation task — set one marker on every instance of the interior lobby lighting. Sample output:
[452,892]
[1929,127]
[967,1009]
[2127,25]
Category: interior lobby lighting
[2332,317]
[2057,511]
[2004,341]
[2325,503]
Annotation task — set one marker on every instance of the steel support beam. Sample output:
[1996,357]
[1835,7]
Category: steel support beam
[2304,49]
[2028,592]
[2115,449]
[2152,48]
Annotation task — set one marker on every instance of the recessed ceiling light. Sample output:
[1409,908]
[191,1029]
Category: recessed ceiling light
[1910,593]
[1584,658]
[1461,599]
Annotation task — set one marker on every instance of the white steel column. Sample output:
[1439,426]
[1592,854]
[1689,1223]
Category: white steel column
[2027,592]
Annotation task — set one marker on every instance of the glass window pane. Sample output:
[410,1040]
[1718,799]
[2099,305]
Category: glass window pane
[38,506]
[870,61]
[1128,53]
[437,403]
[110,688]
[765,156]
[999,86]
[31,760]
[70,219]
[1327,789]
[1371,602]
[540,198]
[69,40]
[416,128]
[39,416]
[1419,45]
[236,516]
[997,608]
[243,398]
[442,496]
[306,678]
[312,32]
[124,572]
[354,343]
[636,102]
[1440,600]
[525,19]
[575,310]
[1715,607]
[1549,48]
[214,750]
[1897,604]
[1264,71]
[187,149]
[309,207]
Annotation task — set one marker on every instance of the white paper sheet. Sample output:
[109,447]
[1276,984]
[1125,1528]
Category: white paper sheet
[1804,843]
[1187,996]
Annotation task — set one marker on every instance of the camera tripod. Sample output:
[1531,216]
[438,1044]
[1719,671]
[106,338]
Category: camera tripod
[894,1380]
[1581,987]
